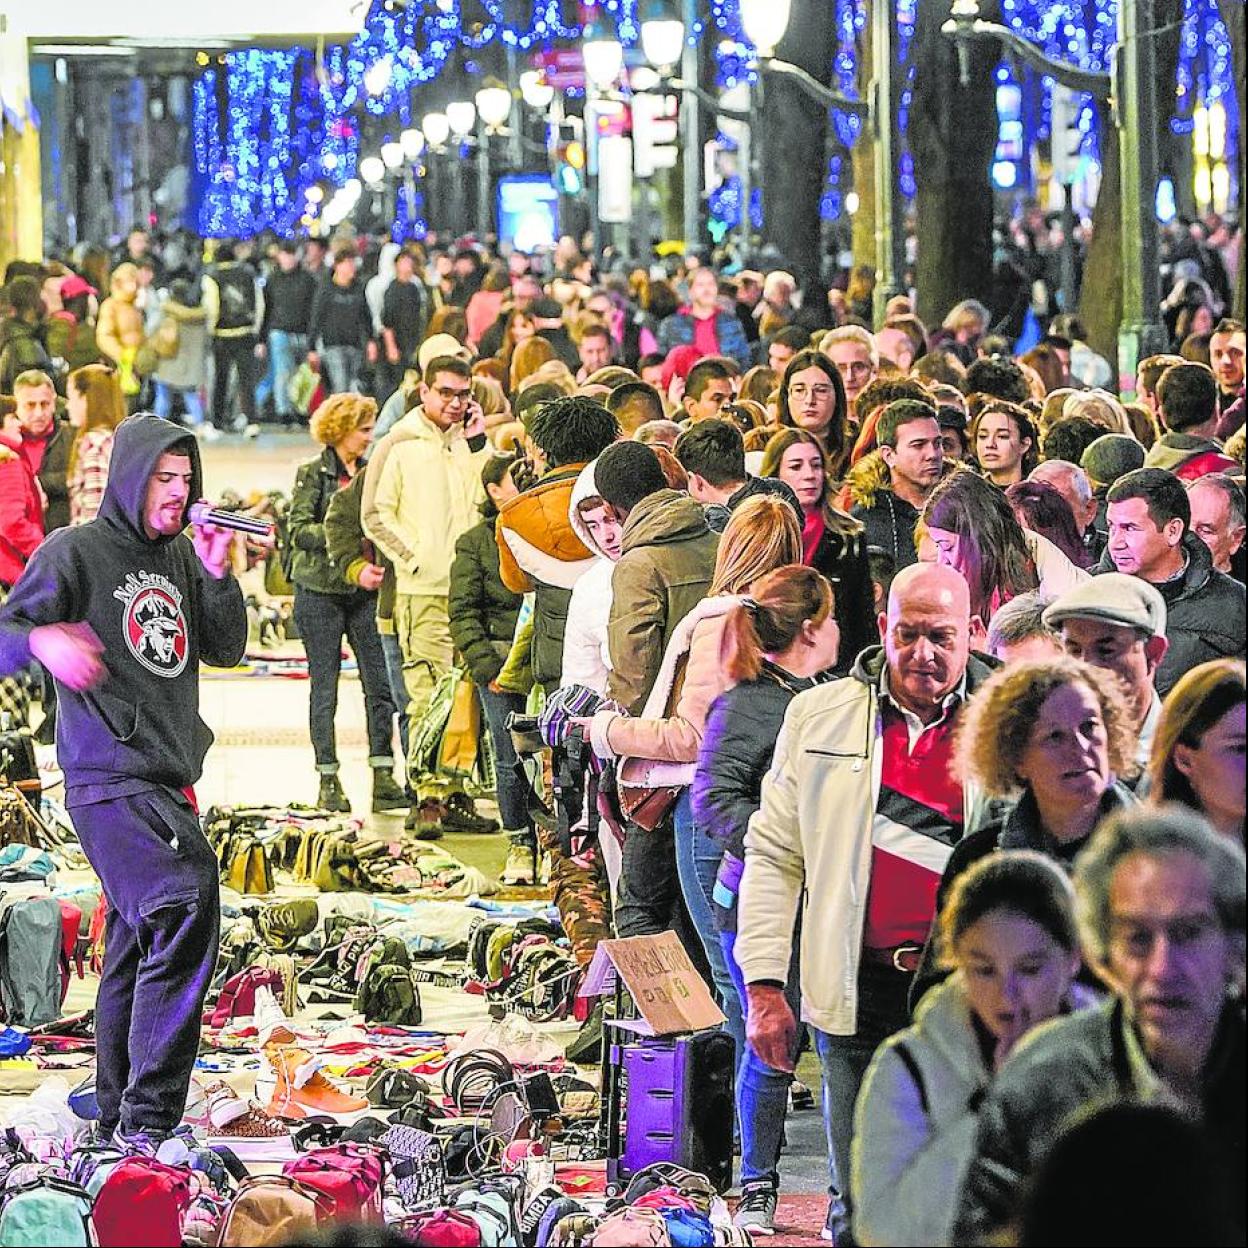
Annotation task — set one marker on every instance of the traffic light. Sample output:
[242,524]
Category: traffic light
[569,161]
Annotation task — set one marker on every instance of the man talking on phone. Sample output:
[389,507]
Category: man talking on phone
[120,611]
[422,491]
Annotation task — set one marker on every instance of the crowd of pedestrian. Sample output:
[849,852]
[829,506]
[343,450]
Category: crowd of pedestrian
[914,663]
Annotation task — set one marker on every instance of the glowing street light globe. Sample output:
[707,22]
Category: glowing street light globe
[413,143]
[604,58]
[461,116]
[764,23]
[372,169]
[494,105]
[662,39]
[437,129]
[536,92]
[392,154]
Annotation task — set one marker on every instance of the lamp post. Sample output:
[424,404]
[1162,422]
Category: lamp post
[436,129]
[412,141]
[461,116]
[1131,89]
[604,59]
[493,109]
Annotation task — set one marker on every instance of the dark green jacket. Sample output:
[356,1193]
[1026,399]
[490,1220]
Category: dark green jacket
[349,548]
[21,347]
[483,610]
[316,483]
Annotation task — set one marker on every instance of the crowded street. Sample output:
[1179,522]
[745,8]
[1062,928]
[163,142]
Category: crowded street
[623,622]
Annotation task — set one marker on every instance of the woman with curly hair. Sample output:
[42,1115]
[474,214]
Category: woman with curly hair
[1198,752]
[1055,734]
[327,607]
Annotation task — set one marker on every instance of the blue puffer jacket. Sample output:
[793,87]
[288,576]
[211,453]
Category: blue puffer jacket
[677,331]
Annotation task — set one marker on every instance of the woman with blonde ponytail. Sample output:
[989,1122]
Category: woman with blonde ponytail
[775,644]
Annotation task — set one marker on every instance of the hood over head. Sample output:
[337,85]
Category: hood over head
[138,444]
[584,487]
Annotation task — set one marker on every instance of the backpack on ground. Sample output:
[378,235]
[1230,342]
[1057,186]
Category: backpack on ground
[273,1209]
[46,1211]
[441,1228]
[142,1204]
[30,961]
[349,1175]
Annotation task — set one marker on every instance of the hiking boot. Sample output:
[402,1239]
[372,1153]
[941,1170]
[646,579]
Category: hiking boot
[521,864]
[299,1086]
[424,820]
[387,795]
[461,816]
[331,797]
[756,1211]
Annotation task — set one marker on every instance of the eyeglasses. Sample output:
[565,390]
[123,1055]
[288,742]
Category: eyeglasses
[451,395]
[800,391]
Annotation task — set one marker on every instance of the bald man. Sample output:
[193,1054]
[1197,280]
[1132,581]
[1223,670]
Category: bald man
[860,812]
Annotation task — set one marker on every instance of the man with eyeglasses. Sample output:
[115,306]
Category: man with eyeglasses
[852,349]
[422,491]
[1161,917]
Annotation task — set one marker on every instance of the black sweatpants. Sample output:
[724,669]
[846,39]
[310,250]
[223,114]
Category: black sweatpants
[160,952]
[238,354]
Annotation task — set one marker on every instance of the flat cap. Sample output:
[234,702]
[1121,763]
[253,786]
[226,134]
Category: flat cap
[1115,597]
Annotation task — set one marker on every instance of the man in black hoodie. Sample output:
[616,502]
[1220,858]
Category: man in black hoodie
[121,611]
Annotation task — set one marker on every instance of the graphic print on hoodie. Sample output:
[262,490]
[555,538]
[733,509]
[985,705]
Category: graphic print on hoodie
[157,613]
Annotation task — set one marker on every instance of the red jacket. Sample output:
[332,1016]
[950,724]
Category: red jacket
[21,511]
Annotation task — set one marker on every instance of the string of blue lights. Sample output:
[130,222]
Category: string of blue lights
[268,124]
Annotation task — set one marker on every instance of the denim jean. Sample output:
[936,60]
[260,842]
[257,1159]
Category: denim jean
[762,1090]
[286,350]
[882,1011]
[392,652]
[512,807]
[323,620]
[698,856]
[238,354]
[163,403]
[341,366]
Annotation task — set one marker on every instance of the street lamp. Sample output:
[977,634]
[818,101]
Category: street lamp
[764,23]
[372,169]
[1132,91]
[662,35]
[494,105]
[536,91]
[461,116]
[604,58]
[392,154]
[436,129]
[413,143]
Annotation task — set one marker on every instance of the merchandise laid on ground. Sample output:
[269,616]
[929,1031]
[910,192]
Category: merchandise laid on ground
[384,1042]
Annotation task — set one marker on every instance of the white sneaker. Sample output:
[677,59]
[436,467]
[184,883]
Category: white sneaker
[239,424]
[270,1019]
[207,432]
[251,430]
[520,867]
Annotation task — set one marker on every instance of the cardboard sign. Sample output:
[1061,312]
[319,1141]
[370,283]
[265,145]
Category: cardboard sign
[669,993]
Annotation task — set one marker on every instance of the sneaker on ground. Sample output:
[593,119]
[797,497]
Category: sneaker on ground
[461,816]
[145,1143]
[756,1211]
[245,1127]
[239,424]
[207,432]
[272,1025]
[251,429]
[521,865]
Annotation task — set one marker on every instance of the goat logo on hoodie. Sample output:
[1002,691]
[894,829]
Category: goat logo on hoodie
[154,624]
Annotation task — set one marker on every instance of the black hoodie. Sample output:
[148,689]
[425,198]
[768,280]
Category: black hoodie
[157,613]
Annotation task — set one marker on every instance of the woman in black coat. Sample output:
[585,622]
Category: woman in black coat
[483,614]
[777,644]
